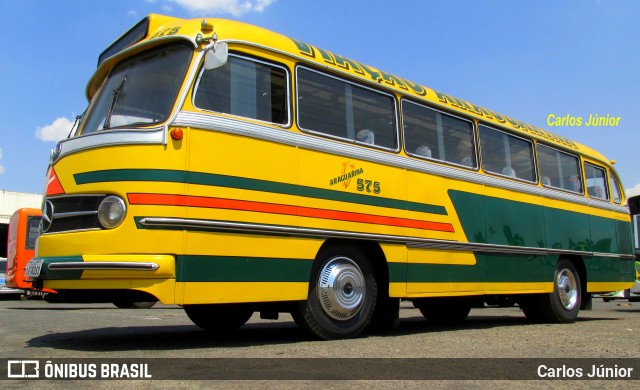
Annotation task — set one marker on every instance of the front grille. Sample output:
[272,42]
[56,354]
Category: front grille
[72,212]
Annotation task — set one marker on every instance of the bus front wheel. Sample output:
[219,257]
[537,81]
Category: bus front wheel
[220,317]
[342,294]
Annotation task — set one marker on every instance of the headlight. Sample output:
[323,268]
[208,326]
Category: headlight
[111,212]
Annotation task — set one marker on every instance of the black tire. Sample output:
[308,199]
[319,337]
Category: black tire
[563,304]
[219,318]
[134,305]
[531,306]
[342,294]
[444,311]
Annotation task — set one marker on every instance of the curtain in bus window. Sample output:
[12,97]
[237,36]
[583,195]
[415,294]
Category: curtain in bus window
[559,170]
[506,155]
[432,134]
[340,109]
[244,88]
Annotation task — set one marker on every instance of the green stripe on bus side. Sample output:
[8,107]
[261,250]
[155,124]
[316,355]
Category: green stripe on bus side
[501,221]
[46,273]
[489,268]
[397,272]
[504,268]
[199,268]
[209,179]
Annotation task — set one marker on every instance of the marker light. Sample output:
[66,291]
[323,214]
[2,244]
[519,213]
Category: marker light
[111,212]
[206,27]
[177,133]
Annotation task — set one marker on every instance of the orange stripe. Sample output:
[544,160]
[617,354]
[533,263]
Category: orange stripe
[272,208]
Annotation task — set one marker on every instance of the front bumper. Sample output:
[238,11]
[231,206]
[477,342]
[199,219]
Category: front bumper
[153,274]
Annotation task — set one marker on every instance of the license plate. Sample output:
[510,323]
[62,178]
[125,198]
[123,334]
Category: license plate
[33,268]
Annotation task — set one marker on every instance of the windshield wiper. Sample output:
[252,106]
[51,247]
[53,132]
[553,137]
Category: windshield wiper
[116,95]
[76,123]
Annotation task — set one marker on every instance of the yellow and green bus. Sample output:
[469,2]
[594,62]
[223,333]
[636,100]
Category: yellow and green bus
[232,170]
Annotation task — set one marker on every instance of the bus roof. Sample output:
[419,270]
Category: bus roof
[160,28]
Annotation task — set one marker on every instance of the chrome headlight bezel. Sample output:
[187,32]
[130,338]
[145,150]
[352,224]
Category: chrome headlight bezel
[111,212]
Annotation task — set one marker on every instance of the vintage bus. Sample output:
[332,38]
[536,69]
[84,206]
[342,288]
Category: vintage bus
[21,244]
[232,170]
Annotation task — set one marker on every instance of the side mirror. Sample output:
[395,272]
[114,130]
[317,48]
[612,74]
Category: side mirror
[216,56]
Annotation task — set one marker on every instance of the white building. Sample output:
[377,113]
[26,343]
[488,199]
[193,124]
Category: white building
[10,201]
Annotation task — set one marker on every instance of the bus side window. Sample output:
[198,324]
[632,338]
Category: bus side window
[432,134]
[615,188]
[596,182]
[338,108]
[246,88]
[559,169]
[506,155]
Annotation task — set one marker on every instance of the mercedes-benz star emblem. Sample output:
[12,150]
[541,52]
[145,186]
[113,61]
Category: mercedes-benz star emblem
[47,215]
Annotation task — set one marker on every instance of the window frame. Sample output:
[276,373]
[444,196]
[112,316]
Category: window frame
[580,170]
[614,178]
[359,85]
[256,60]
[508,134]
[606,184]
[28,231]
[474,136]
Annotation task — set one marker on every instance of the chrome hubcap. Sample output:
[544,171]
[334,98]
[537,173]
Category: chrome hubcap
[567,288]
[341,288]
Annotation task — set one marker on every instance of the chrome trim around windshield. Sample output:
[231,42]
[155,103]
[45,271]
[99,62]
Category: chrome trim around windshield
[104,138]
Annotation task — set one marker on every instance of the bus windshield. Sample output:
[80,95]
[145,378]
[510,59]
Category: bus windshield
[141,90]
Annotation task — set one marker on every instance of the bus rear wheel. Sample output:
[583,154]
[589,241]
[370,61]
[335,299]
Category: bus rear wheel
[444,311]
[220,317]
[563,304]
[342,294]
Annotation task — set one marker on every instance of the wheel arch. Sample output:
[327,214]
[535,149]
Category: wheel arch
[374,253]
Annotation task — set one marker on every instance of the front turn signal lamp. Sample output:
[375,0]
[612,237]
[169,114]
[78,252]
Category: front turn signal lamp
[111,212]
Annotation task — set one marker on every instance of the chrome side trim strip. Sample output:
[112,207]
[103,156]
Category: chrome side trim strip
[410,242]
[74,214]
[493,248]
[103,265]
[310,142]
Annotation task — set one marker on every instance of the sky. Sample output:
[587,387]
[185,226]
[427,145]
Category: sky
[525,59]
